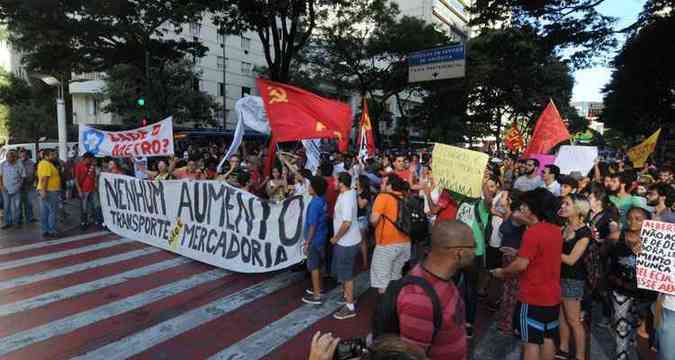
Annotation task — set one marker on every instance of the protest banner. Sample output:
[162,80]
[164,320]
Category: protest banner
[207,221]
[148,141]
[459,170]
[655,268]
[640,153]
[576,158]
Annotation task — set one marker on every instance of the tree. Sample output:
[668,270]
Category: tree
[571,25]
[172,92]
[363,50]
[27,110]
[512,76]
[284,27]
[85,36]
[640,96]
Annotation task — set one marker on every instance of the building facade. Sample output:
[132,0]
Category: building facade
[449,15]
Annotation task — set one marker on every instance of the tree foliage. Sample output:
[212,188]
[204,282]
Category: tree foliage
[640,96]
[571,25]
[60,36]
[284,27]
[363,50]
[27,110]
[172,92]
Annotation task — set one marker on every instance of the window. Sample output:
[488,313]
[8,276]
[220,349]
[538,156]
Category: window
[221,63]
[221,89]
[246,67]
[245,43]
[245,91]
[93,106]
[195,28]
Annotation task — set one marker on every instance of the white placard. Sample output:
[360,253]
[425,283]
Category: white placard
[576,158]
[148,141]
[655,263]
[207,221]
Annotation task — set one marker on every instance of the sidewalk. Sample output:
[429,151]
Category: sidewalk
[67,224]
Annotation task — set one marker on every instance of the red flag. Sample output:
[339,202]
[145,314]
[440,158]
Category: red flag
[549,132]
[366,141]
[297,114]
[514,139]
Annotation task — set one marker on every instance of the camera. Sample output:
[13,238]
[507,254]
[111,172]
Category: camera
[350,349]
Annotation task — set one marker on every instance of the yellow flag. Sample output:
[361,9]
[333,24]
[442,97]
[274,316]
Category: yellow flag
[638,154]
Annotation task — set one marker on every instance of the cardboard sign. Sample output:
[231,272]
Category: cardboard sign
[576,158]
[655,263]
[148,141]
[459,170]
[207,221]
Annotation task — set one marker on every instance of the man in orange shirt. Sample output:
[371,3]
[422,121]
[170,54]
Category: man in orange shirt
[392,249]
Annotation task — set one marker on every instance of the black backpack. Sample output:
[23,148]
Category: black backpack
[385,319]
[411,219]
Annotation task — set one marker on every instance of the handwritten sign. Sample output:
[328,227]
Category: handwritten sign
[655,268]
[148,141]
[207,221]
[576,158]
[459,170]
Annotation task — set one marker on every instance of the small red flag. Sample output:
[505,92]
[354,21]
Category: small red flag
[514,139]
[548,132]
[297,114]
[366,141]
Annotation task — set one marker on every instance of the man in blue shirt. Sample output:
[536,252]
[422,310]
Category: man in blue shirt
[316,234]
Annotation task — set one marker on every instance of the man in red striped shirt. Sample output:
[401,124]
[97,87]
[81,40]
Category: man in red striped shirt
[452,248]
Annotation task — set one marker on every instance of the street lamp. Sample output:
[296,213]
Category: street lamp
[60,112]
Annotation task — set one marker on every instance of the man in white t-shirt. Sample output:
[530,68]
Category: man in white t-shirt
[346,241]
[550,176]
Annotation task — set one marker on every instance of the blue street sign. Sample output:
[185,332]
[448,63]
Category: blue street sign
[436,55]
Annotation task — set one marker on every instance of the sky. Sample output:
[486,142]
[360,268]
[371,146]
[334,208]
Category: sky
[589,82]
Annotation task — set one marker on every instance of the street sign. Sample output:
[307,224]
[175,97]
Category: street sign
[440,63]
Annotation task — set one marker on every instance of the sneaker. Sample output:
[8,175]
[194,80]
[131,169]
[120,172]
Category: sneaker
[344,313]
[563,355]
[310,299]
[311,292]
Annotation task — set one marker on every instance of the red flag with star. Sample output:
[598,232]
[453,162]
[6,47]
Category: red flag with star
[296,114]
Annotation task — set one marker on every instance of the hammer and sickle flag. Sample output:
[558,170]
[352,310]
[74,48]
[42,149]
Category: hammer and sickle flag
[296,114]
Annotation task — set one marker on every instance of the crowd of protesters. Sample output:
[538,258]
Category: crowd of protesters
[554,245]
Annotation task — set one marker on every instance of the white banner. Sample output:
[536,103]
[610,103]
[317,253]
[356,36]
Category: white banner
[148,141]
[207,221]
[313,153]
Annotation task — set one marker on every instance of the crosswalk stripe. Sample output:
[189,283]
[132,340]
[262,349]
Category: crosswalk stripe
[63,326]
[166,330]
[60,254]
[73,291]
[46,275]
[15,249]
[263,342]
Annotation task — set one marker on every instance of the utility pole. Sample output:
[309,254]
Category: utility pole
[224,46]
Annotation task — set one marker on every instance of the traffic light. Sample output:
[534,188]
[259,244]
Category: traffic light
[139,96]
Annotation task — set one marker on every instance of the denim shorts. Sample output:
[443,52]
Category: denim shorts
[315,257]
[572,288]
[344,258]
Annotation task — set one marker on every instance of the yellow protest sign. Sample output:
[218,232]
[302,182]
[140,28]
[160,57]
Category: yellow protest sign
[459,170]
[638,154]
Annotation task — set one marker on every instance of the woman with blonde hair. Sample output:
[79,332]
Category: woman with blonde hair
[576,238]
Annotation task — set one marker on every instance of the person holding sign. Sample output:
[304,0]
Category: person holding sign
[628,301]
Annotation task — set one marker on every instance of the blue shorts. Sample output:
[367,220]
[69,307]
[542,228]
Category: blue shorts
[344,258]
[534,323]
[315,257]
